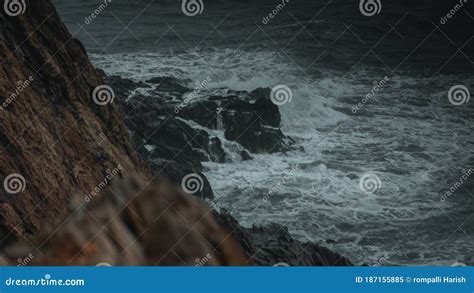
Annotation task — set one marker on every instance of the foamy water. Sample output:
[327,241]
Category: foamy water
[409,136]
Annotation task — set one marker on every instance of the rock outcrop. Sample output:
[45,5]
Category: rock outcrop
[272,245]
[54,140]
[248,118]
[173,126]
[65,137]
[158,225]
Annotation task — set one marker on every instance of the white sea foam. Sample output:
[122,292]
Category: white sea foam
[403,135]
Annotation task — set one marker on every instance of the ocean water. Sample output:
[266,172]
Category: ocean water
[407,138]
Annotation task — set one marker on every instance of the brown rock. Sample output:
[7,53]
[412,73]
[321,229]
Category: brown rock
[51,131]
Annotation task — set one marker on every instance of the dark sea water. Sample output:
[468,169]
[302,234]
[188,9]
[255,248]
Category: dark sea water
[408,135]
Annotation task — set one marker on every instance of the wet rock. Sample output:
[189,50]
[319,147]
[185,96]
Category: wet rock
[169,84]
[175,172]
[272,244]
[217,152]
[245,155]
[69,148]
[249,118]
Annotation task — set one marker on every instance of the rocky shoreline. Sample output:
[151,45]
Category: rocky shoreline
[186,122]
[61,142]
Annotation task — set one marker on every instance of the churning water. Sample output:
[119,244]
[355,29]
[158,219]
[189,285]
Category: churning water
[367,102]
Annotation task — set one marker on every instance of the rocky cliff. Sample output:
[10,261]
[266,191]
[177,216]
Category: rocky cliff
[54,140]
[65,143]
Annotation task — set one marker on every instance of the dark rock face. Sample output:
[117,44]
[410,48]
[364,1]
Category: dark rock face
[160,225]
[273,244]
[169,128]
[250,119]
[51,131]
[180,130]
[246,126]
[176,173]
[63,144]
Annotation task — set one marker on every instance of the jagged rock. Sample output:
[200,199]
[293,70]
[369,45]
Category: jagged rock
[169,84]
[63,143]
[250,119]
[272,244]
[159,225]
[217,152]
[52,133]
[152,122]
[175,173]
[245,155]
